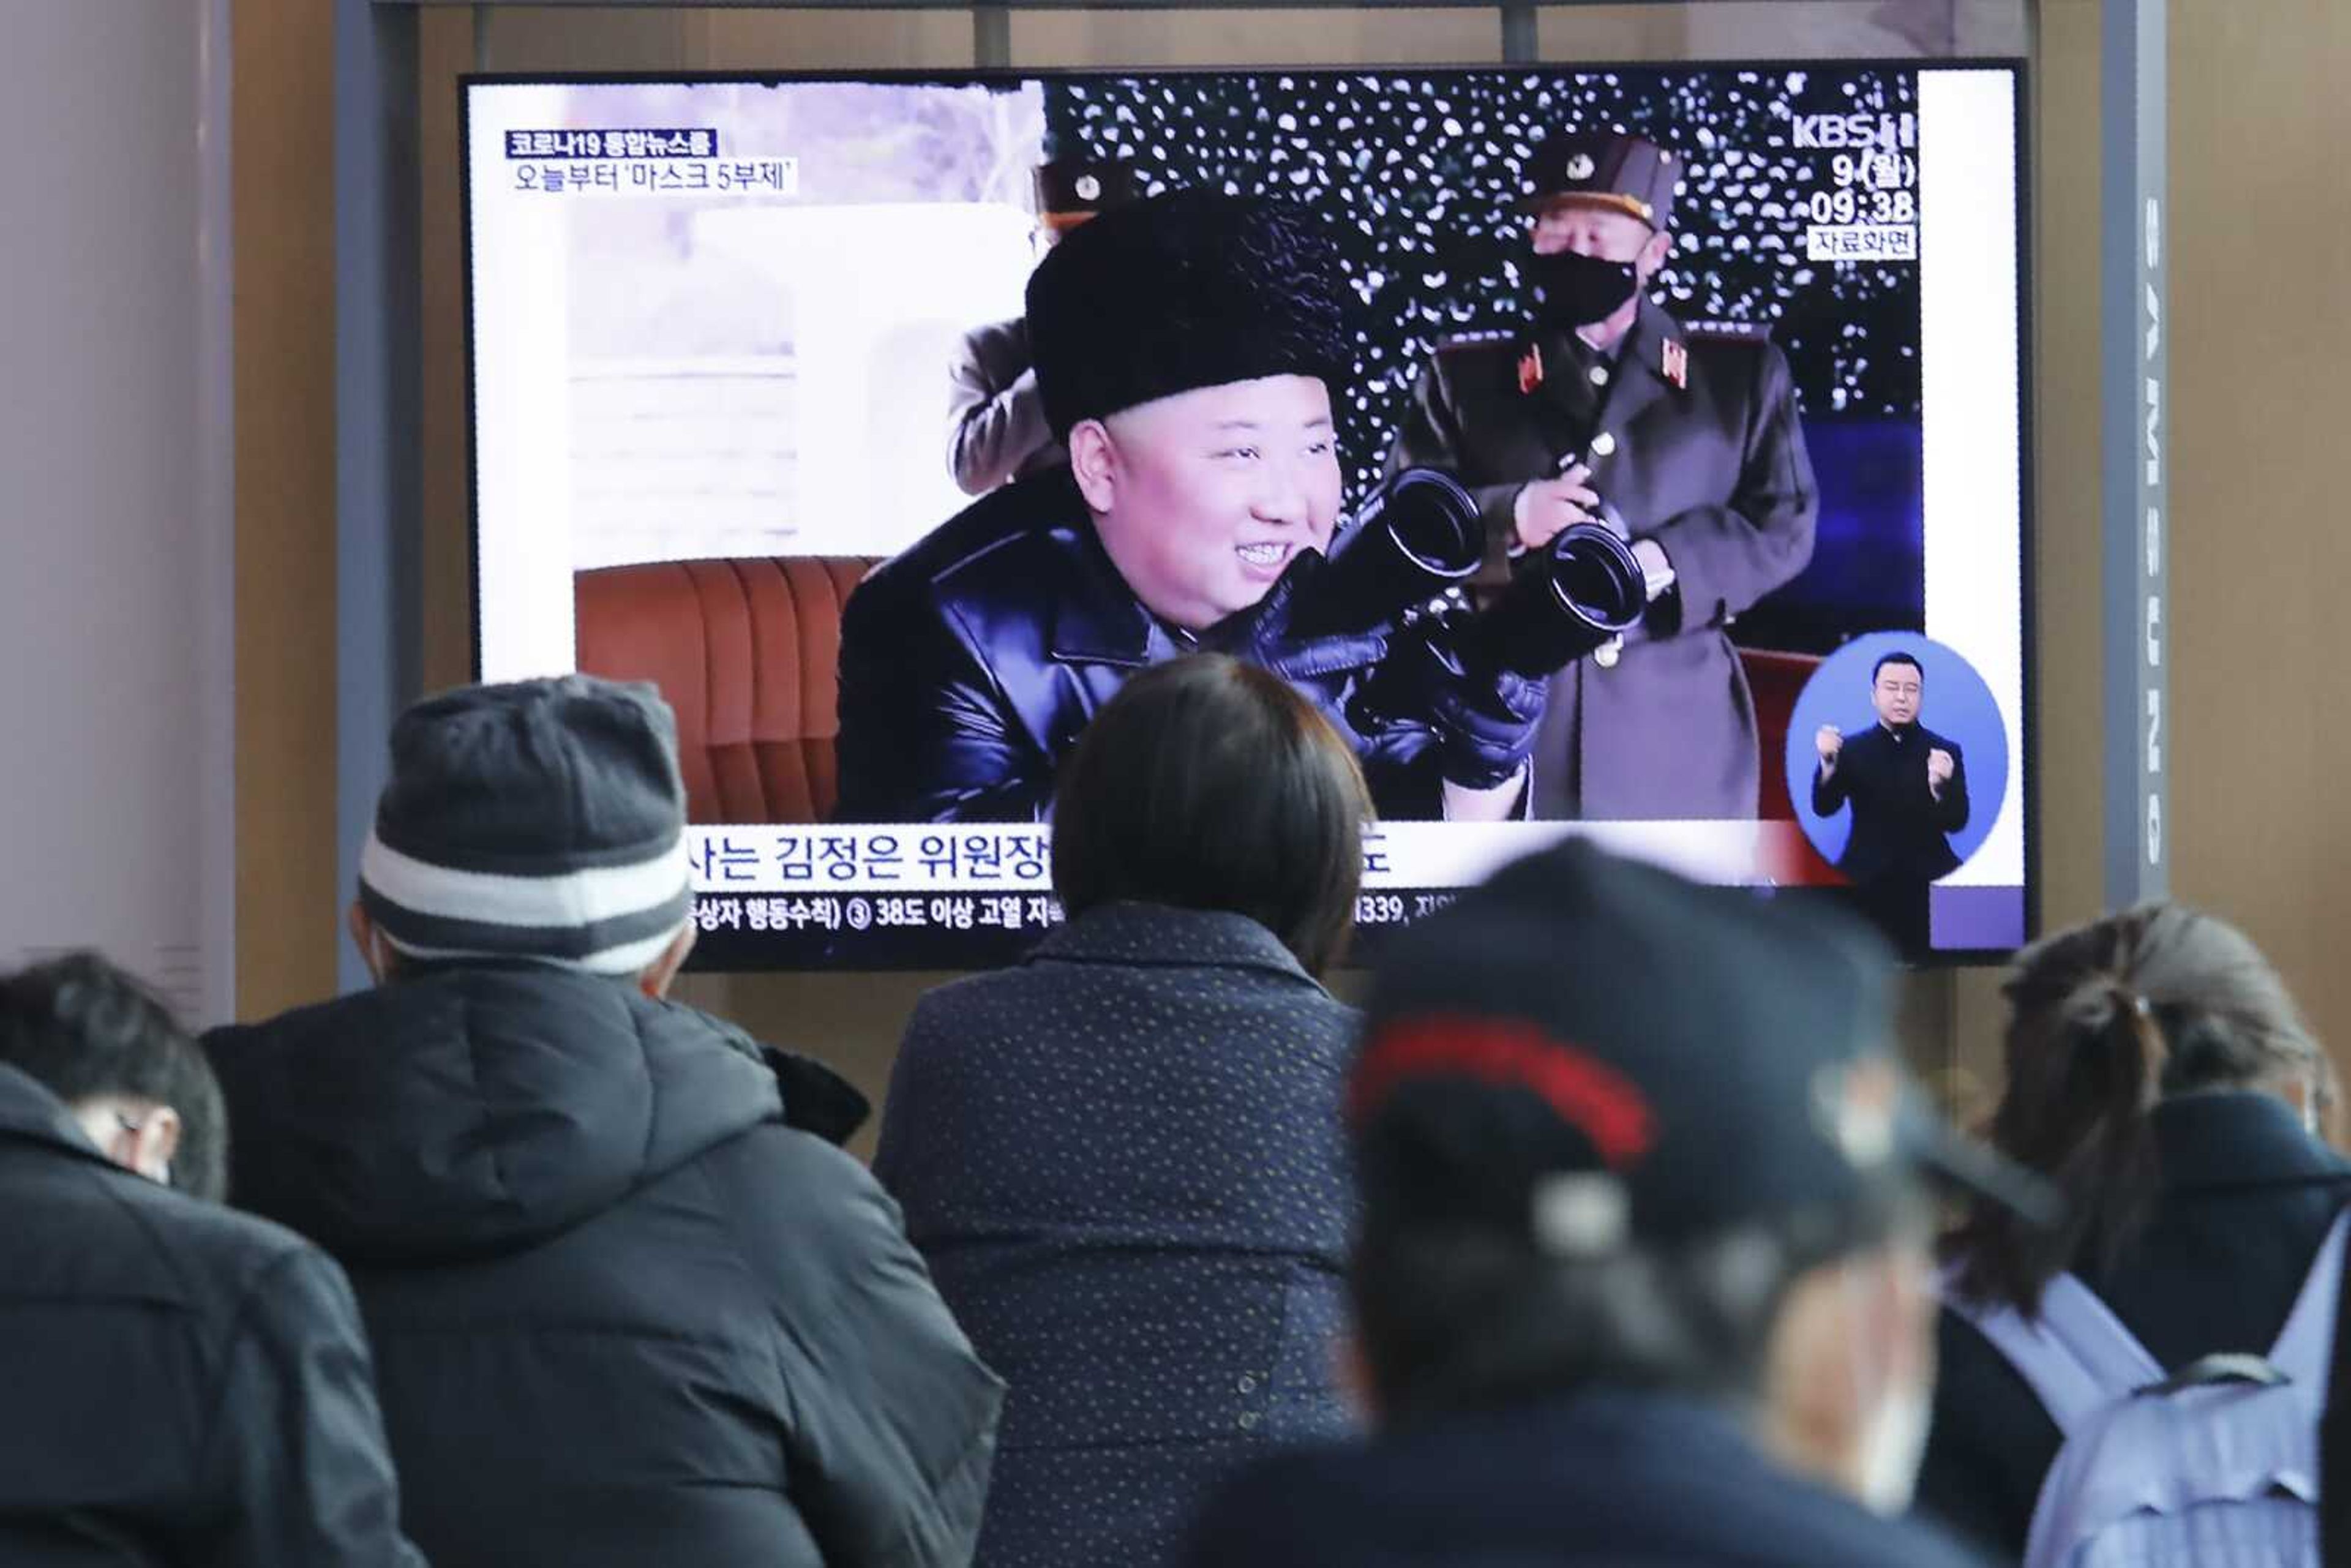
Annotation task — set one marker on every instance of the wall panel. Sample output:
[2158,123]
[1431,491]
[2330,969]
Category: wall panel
[2261,247]
[283,152]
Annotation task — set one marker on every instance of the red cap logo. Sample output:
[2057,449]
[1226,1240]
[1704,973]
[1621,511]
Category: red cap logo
[1587,1093]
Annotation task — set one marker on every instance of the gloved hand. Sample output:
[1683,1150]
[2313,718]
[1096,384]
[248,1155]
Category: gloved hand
[816,1099]
[1484,723]
[1261,634]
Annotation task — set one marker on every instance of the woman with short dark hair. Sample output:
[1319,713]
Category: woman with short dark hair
[2159,1074]
[1121,1157]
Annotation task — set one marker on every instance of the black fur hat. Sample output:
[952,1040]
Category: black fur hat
[1193,288]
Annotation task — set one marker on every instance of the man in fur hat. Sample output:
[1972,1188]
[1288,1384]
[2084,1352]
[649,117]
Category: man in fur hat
[1187,347]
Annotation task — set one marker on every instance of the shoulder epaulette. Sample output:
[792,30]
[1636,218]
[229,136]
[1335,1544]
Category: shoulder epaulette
[1739,331]
[1473,341]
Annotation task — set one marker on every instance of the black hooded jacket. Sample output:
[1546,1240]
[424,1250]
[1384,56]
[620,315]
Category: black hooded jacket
[625,1310]
[179,1384]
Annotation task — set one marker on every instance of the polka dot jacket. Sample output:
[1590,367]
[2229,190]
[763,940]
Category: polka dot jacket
[1122,1159]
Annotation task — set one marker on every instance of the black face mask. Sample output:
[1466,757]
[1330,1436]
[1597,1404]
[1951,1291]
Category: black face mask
[1573,290]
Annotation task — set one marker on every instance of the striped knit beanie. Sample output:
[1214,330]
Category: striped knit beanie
[542,820]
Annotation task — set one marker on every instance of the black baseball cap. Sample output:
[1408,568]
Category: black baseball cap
[1594,1050]
[1607,168]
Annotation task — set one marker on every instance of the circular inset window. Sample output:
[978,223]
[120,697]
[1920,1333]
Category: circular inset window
[1897,762]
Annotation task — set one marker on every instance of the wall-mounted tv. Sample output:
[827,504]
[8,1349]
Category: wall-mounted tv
[736,340]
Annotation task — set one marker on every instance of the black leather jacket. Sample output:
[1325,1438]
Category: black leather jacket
[971,662]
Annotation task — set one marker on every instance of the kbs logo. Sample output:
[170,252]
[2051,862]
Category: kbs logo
[1885,132]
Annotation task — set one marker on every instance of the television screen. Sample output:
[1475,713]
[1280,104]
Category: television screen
[1666,486]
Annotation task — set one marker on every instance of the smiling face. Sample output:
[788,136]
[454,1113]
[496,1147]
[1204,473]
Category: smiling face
[1203,498]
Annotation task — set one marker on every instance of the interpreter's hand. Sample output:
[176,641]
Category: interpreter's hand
[1828,741]
[1938,769]
[1546,506]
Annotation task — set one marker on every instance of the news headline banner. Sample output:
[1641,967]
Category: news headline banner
[889,896]
[924,897]
[640,161]
[1016,858]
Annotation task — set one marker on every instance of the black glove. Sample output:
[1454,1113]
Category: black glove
[1485,725]
[816,1099]
[1261,635]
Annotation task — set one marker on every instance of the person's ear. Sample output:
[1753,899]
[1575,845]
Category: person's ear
[2307,1094]
[1851,1364]
[368,940]
[1094,458]
[153,1140]
[655,977]
[1653,255]
[137,1134]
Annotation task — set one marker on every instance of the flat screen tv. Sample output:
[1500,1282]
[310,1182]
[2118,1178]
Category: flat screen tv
[733,340]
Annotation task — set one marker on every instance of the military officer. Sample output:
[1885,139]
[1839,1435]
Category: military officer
[1685,440]
[996,427]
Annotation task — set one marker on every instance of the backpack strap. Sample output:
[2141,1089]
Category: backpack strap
[2305,1346]
[2076,1356]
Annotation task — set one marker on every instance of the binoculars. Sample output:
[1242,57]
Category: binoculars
[1420,536]
[1586,590]
[1417,536]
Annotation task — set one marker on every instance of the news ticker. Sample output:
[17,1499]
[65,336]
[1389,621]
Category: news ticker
[1016,859]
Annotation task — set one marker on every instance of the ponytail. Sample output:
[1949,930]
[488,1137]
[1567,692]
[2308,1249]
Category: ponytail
[2076,1112]
[2104,1020]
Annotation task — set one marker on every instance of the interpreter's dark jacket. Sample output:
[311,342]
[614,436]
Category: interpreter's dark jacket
[1598,1480]
[972,660]
[1123,1159]
[625,1312]
[1704,454]
[1901,829]
[181,1385]
[2245,1200]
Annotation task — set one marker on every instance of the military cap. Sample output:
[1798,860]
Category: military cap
[1193,288]
[1604,168]
[1071,190]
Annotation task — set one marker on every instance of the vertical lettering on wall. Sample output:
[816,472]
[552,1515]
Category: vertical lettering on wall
[2151,781]
[2134,391]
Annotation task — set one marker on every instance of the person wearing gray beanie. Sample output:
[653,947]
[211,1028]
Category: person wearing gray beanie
[544,820]
[630,1301]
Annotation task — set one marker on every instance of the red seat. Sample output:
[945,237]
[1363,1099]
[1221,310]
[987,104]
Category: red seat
[746,650]
[1777,680]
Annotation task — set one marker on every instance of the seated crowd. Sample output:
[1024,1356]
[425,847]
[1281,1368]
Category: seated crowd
[1609,1231]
